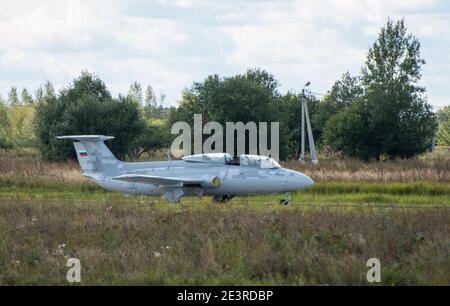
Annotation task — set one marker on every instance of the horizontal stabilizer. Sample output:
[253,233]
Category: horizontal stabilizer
[86,137]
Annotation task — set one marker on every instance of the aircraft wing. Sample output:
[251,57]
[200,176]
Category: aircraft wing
[155,180]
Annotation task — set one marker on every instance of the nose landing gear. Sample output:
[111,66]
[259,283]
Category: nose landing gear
[287,199]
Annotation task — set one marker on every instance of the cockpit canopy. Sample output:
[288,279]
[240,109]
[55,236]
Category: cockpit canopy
[212,158]
[257,161]
[254,161]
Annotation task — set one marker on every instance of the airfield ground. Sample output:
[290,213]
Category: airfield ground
[396,211]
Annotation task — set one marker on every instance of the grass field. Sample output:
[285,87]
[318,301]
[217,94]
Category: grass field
[397,211]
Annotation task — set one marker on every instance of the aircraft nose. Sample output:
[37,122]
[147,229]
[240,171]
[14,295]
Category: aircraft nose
[304,181]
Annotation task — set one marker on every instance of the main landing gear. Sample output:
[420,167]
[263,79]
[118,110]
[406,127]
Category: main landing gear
[287,199]
[222,199]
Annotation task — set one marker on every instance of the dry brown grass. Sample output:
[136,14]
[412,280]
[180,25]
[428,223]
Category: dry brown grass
[355,171]
[24,166]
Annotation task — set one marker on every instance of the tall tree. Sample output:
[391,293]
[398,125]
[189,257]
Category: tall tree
[39,94]
[45,91]
[49,89]
[162,100]
[399,121]
[443,133]
[150,97]
[27,99]
[13,97]
[135,93]
[150,102]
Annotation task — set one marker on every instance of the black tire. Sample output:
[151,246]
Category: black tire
[221,199]
[284,202]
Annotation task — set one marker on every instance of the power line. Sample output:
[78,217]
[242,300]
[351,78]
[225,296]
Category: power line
[315,93]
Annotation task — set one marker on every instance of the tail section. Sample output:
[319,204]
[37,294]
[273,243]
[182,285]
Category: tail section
[94,156]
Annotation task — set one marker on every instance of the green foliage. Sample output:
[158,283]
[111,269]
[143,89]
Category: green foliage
[27,99]
[154,136]
[16,120]
[342,95]
[248,97]
[150,97]
[21,130]
[16,126]
[289,115]
[393,117]
[345,91]
[443,133]
[202,244]
[4,126]
[252,96]
[46,91]
[135,93]
[348,131]
[394,58]
[13,97]
[85,107]
[289,109]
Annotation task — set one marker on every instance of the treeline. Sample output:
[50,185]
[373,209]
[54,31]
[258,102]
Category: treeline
[16,121]
[84,107]
[381,112]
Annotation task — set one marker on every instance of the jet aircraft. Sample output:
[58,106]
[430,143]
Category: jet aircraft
[214,174]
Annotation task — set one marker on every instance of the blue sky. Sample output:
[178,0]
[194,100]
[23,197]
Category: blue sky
[171,44]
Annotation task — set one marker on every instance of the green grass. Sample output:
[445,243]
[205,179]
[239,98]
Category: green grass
[49,212]
[424,193]
[117,239]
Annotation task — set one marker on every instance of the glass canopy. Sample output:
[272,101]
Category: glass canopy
[257,161]
[254,161]
[216,158]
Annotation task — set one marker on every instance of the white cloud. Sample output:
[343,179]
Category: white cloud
[58,39]
[318,41]
[170,44]
[151,36]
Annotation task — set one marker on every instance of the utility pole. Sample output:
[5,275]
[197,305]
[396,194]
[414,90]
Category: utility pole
[305,115]
[302,140]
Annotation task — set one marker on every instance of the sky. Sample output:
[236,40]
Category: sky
[171,44]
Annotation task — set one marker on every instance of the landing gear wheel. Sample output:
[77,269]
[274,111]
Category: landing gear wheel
[287,200]
[222,199]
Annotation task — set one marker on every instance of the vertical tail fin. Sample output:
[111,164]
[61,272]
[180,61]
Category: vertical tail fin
[94,156]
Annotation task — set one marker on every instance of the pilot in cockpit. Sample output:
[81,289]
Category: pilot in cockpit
[233,161]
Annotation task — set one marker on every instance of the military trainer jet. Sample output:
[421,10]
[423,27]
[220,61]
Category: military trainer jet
[215,174]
